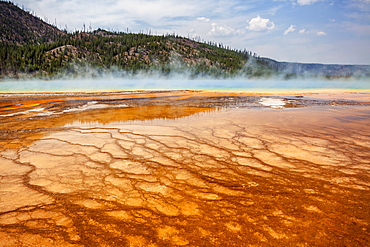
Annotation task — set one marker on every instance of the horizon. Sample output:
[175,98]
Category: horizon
[330,33]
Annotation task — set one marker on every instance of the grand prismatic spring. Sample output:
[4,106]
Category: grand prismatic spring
[185,168]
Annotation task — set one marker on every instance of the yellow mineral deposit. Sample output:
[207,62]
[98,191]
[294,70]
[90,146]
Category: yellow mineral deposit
[185,169]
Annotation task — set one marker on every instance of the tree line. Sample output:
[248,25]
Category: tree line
[126,51]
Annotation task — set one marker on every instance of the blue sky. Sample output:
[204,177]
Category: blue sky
[315,31]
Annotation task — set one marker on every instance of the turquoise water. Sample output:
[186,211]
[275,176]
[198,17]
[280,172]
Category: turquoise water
[135,84]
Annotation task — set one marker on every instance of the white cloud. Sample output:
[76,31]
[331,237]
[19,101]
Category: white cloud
[222,30]
[120,14]
[260,24]
[307,2]
[303,31]
[290,29]
[204,19]
[321,33]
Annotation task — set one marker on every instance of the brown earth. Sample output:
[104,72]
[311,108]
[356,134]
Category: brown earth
[185,168]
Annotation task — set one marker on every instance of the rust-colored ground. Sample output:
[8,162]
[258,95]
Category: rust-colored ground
[185,168]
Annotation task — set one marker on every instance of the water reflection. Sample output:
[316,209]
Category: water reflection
[130,114]
[21,129]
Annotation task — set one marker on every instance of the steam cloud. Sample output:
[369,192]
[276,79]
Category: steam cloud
[84,77]
[114,81]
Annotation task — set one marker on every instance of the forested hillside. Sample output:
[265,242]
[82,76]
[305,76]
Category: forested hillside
[30,47]
[75,53]
[20,27]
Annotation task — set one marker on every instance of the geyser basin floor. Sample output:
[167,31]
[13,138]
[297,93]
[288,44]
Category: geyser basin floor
[185,168]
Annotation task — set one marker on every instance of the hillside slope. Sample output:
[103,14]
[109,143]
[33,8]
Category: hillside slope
[316,69]
[100,53]
[29,47]
[20,27]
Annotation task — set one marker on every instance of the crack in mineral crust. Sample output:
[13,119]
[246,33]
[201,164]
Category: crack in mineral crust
[180,175]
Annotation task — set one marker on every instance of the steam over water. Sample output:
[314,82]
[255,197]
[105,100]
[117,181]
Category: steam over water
[113,84]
